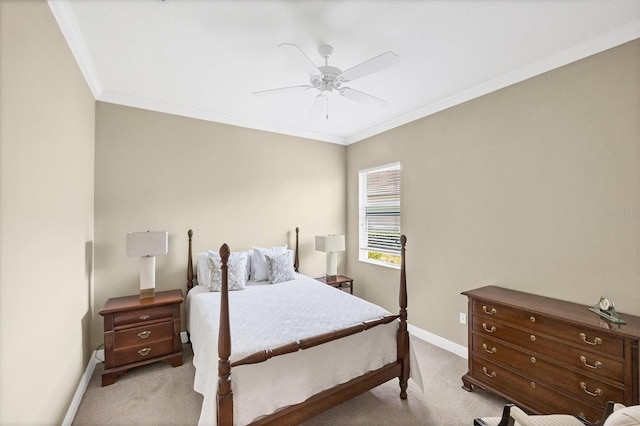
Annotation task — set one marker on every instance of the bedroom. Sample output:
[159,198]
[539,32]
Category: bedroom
[512,188]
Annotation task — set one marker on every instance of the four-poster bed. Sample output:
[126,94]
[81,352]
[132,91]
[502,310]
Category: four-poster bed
[370,346]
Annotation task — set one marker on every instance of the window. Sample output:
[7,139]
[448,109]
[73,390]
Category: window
[380,215]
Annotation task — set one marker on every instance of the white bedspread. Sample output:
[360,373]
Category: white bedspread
[267,316]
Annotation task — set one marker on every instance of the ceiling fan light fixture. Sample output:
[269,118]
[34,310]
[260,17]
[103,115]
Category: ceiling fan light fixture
[327,79]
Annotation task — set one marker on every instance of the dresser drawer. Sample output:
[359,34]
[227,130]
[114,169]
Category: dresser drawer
[142,352]
[589,363]
[539,343]
[133,317]
[580,336]
[143,335]
[536,395]
[588,388]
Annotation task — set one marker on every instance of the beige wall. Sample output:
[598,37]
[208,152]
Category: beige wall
[46,216]
[247,188]
[534,187]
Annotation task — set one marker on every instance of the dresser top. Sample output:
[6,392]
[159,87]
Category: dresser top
[129,303]
[558,309]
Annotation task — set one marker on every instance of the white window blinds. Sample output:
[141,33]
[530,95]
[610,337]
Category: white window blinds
[380,209]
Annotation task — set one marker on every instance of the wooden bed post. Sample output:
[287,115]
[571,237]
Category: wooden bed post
[224,397]
[403,334]
[190,264]
[296,260]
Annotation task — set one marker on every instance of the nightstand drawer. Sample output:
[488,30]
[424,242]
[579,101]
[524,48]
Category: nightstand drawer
[142,352]
[132,317]
[142,335]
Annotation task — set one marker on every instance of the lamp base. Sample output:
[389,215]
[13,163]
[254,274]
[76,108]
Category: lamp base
[147,293]
[147,277]
[330,278]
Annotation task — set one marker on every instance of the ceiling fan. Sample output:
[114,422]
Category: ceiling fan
[328,79]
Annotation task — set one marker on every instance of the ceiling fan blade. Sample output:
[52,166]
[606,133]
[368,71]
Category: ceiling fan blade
[282,90]
[297,55]
[380,62]
[320,108]
[361,97]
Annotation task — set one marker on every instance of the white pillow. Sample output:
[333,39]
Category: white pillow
[236,271]
[202,270]
[259,262]
[280,268]
[292,257]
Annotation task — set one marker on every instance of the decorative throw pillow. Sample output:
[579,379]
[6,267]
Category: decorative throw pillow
[233,255]
[279,268]
[259,262]
[236,272]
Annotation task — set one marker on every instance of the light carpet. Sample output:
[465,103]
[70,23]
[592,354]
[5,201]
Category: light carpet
[158,394]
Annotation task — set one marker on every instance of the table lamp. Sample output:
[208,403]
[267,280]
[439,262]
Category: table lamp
[147,245]
[331,244]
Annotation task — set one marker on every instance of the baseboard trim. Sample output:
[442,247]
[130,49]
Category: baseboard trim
[96,358]
[438,341]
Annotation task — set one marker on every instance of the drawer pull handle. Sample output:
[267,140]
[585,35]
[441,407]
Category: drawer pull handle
[144,351]
[532,319]
[489,312]
[598,364]
[488,330]
[144,334]
[533,385]
[533,338]
[598,391]
[596,341]
[486,372]
[533,359]
[144,317]
[491,351]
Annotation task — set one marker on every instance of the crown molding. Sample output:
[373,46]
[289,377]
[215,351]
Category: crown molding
[565,57]
[200,114]
[65,17]
[63,13]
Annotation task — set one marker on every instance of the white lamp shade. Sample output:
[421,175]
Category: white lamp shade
[330,243]
[147,243]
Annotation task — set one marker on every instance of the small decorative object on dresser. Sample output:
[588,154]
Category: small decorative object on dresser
[549,356]
[606,309]
[339,282]
[141,331]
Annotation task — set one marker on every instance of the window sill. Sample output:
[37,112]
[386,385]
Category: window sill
[384,264]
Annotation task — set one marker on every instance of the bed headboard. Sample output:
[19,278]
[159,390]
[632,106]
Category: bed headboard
[190,275]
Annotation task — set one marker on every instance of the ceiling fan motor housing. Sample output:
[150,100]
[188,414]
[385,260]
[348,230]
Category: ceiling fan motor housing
[328,80]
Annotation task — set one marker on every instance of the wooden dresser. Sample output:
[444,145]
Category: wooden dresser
[141,331]
[549,356]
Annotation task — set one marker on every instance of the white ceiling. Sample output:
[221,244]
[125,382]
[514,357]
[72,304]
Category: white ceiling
[204,59]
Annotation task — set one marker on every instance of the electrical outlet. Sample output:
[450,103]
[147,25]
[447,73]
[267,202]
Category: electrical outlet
[463,318]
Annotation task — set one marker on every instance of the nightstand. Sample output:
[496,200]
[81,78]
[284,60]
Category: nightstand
[141,331]
[340,282]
